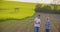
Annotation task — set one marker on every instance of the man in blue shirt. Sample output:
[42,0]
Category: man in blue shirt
[47,25]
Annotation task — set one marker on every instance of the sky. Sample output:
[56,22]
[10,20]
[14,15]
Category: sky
[34,1]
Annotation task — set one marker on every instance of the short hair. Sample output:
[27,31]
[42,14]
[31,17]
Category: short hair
[47,17]
[38,15]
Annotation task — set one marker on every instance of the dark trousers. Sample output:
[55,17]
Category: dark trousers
[47,30]
[36,29]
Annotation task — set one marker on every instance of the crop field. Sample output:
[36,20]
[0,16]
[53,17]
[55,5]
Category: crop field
[28,24]
[18,10]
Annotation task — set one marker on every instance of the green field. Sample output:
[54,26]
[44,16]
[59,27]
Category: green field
[8,10]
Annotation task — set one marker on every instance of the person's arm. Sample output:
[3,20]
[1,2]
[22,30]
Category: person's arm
[49,24]
[38,22]
[35,21]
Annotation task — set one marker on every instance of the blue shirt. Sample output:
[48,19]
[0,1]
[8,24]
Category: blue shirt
[47,25]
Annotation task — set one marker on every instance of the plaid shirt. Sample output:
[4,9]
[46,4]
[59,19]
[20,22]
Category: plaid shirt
[47,25]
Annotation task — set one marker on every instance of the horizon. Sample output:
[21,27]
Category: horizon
[37,1]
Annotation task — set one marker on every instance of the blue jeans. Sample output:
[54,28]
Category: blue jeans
[47,30]
[36,29]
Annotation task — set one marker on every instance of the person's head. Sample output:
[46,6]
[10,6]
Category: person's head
[38,16]
[47,18]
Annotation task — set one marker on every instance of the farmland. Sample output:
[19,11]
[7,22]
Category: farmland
[16,10]
[19,10]
[27,25]
[18,17]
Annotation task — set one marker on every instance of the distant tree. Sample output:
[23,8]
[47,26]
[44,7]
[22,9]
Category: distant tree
[38,8]
[47,9]
[44,9]
[55,3]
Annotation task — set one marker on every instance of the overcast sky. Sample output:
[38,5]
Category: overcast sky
[34,1]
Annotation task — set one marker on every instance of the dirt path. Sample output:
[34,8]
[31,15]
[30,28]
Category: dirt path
[27,25]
